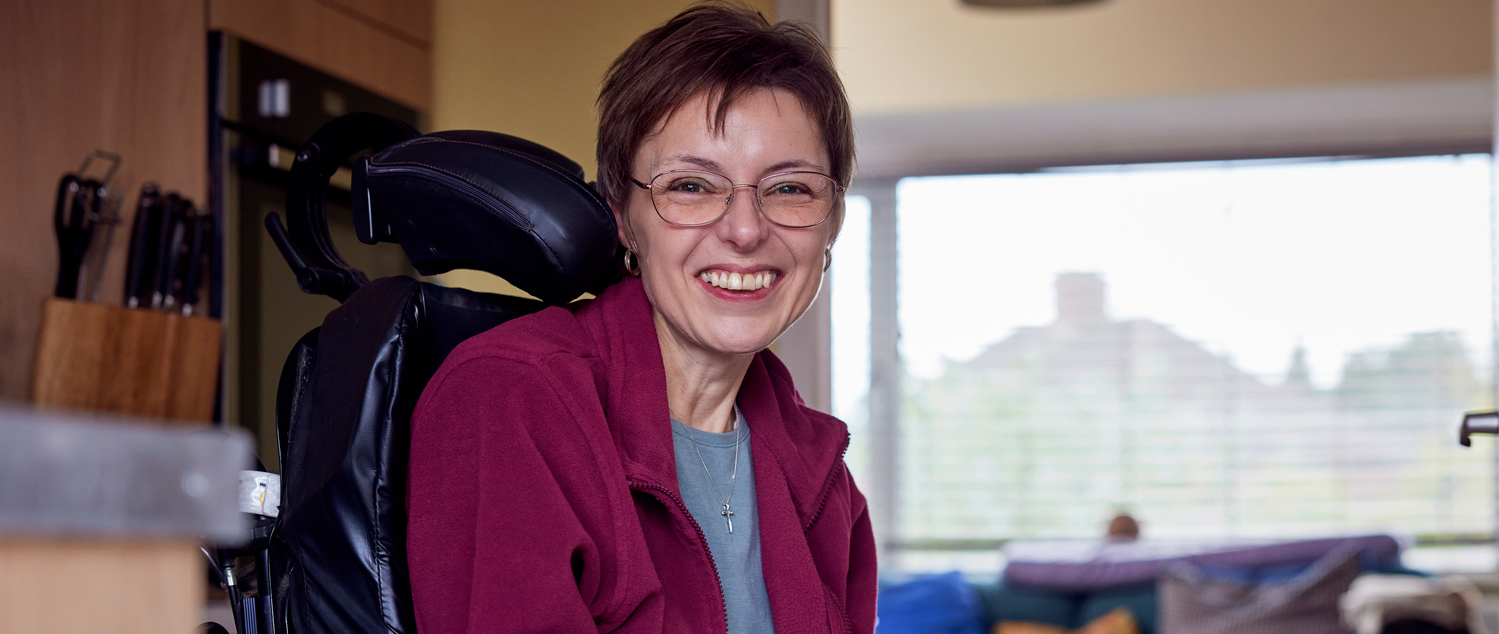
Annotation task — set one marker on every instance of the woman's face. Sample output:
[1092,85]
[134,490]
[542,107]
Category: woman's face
[765,132]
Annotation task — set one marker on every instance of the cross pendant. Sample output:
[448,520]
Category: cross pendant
[728,517]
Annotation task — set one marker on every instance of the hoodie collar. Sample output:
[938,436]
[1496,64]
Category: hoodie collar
[806,445]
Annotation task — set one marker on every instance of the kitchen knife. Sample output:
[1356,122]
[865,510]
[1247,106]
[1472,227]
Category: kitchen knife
[74,227]
[161,282]
[192,265]
[138,265]
[172,263]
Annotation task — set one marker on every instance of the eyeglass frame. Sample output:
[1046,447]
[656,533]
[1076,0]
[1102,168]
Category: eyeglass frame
[728,202]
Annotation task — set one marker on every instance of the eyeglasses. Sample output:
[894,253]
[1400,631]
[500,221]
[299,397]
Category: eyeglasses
[691,198]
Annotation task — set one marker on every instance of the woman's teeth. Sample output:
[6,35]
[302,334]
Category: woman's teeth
[738,281]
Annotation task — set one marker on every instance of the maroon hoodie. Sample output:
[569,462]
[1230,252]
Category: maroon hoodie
[543,490]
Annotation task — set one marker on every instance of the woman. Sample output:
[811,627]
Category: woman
[640,462]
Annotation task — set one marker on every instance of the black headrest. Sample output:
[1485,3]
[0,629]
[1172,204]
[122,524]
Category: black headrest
[490,202]
[453,200]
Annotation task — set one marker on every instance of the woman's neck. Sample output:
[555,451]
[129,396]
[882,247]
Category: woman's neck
[701,384]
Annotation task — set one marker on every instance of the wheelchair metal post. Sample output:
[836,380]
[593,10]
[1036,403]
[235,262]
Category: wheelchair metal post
[231,588]
[264,600]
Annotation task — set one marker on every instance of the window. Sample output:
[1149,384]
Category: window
[849,284]
[1267,349]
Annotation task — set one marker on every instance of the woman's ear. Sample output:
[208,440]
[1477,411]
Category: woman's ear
[619,223]
[836,223]
[622,223]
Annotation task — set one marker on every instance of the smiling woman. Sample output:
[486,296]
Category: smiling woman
[593,467]
[703,324]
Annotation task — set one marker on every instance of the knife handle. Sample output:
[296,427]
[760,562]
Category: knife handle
[137,271]
[67,190]
[165,251]
[75,235]
[192,277]
[173,265]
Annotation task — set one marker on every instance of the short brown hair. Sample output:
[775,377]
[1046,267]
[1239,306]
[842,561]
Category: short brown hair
[728,51]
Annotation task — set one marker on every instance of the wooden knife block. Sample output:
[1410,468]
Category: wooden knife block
[126,361]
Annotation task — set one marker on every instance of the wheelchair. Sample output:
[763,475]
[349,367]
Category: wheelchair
[333,559]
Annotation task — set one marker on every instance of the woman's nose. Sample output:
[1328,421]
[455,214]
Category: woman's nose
[743,225]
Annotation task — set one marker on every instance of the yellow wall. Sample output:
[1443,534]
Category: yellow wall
[925,55]
[532,69]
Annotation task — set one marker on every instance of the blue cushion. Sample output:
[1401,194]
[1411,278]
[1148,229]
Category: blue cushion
[939,604]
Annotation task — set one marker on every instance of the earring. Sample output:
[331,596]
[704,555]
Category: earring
[632,265]
[827,258]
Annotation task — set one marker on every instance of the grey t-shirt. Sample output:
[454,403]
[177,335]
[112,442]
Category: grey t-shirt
[736,554]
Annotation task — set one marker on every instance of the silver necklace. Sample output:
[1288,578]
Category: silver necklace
[727,513]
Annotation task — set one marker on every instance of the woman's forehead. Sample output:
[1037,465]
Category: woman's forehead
[766,126]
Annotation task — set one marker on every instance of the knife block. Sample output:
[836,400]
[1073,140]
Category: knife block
[126,361]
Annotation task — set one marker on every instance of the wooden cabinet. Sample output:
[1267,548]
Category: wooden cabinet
[130,77]
[382,45]
[78,75]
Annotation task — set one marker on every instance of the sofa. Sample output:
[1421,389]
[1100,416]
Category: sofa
[1069,584]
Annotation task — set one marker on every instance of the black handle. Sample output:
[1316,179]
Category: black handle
[173,224]
[73,220]
[67,190]
[309,278]
[161,249]
[1477,422]
[136,269]
[319,268]
[192,278]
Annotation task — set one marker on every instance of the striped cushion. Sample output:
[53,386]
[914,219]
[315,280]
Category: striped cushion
[1192,603]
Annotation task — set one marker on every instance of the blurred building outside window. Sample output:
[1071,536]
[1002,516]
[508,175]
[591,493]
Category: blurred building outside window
[1226,351]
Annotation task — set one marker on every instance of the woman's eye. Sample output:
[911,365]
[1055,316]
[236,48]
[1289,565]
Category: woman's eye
[788,189]
[689,187]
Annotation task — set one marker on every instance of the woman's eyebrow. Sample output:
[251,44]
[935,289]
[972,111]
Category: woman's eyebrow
[714,166]
[705,163]
[792,164]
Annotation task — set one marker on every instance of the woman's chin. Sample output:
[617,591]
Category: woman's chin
[741,346]
[740,340]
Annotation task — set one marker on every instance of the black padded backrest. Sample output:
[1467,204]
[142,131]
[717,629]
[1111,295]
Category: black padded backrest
[465,199]
[339,557]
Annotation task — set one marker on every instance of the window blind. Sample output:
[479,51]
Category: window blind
[1228,350]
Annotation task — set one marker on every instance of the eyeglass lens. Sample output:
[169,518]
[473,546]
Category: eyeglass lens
[793,199]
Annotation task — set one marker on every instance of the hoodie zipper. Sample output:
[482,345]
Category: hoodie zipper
[485,199]
[827,485]
[701,538]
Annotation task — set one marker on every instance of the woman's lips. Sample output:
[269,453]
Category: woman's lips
[737,281]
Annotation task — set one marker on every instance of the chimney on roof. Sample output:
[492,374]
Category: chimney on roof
[1299,376]
[1080,298]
